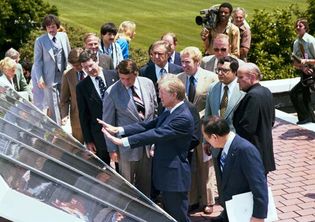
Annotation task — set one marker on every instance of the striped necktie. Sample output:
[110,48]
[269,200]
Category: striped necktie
[138,102]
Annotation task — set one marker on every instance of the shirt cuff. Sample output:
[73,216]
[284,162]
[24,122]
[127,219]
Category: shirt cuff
[121,131]
[125,142]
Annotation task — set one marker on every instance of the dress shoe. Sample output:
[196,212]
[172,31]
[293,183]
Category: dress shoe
[308,120]
[208,209]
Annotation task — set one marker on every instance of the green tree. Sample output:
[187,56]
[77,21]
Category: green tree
[18,18]
[310,14]
[272,38]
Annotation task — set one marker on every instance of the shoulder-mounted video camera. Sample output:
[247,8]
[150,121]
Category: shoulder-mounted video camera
[208,17]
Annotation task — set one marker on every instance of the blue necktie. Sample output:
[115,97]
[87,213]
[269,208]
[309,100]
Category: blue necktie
[222,160]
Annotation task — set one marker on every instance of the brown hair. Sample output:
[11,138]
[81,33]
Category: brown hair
[127,66]
[49,20]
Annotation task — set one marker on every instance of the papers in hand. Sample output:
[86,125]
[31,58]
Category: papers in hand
[240,207]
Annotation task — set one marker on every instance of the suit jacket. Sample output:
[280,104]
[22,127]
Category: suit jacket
[148,71]
[243,171]
[171,134]
[105,61]
[208,62]
[44,60]
[119,109]
[206,78]
[177,59]
[253,120]
[20,80]
[213,102]
[90,107]
[68,97]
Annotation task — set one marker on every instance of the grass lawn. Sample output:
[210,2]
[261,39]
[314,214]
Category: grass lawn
[153,17]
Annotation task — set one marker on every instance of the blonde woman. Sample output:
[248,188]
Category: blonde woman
[126,32]
[8,68]
[9,78]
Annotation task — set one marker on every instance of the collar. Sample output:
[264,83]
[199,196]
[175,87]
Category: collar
[231,85]
[136,85]
[228,142]
[196,75]
[100,74]
[158,68]
[51,37]
[177,105]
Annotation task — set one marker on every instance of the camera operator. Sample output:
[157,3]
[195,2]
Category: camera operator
[222,25]
[238,19]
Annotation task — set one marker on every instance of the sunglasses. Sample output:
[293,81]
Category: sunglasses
[220,49]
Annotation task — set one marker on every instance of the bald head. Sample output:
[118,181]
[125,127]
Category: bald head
[248,74]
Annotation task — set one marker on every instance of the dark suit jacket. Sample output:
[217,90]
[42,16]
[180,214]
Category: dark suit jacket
[148,71]
[253,120]
[171,134]
[90,107]
[243,171]
[177,59]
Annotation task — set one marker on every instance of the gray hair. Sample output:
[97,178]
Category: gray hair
[12,53]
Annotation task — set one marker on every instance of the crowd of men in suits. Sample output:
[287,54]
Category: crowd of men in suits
[147,121]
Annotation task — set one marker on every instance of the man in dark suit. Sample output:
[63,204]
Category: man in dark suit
[255,115]
[174,57]
[159,56]
[89,98]
[241,168]
[171,133]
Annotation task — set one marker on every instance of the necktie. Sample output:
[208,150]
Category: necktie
[170,60]
[224,101]
[222,159]
[138,102]
[81,75]
[54,39]
[191,89]
[101,86]
[162,72]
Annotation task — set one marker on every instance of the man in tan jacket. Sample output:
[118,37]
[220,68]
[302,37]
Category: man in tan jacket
[68,97]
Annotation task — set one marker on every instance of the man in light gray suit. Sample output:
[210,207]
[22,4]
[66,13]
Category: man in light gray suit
[222,100]
[132,99]
[50,61]
[221,48]
[197,82]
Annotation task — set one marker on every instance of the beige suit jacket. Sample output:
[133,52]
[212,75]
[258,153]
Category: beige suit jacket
[205,79]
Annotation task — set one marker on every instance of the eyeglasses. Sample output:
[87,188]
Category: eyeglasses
[223,70]
[220,49]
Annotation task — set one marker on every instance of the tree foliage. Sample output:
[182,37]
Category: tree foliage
[17,20]
[310,15]
[272,38]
